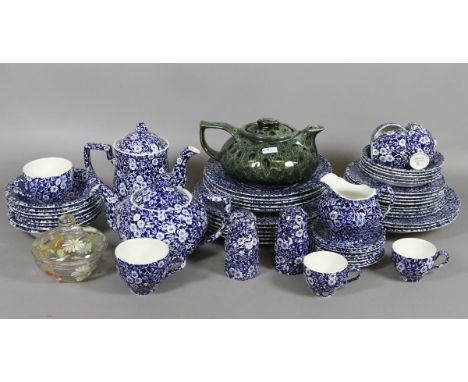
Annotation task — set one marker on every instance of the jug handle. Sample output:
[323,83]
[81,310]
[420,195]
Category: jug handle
[388,190]
[226,202]
[87,155]
[215,125]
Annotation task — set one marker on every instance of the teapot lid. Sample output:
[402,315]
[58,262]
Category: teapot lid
[270,128]
[162,198]
[141,142]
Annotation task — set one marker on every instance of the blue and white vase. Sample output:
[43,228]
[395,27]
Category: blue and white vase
[242,246]
[292,241]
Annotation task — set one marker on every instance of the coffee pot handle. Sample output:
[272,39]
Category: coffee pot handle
[226,203]
[215,125]
[87,155]
[387,190]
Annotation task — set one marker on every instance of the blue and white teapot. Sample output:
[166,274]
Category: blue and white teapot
[138,159]
[165,212]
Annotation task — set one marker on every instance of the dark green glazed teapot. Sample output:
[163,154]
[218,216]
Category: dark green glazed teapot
[265,152]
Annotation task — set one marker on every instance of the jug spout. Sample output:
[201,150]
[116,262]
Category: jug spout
[179,172]
[346,190]
[110,201]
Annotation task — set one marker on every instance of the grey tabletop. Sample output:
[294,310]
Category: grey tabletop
[52,110]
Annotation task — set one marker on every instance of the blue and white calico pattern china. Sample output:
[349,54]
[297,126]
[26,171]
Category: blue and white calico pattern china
[165,212]
[46,180]
[414,258]
[142,264]
[139,158]
[325,272]
[388,145]
[348,208]
[241,246]
[292,241]
[420,140]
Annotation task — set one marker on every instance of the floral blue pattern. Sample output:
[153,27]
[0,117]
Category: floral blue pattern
[390,149]
[350,216]
[241,246]
[413,270]
[46,190]
[326,284]
[292,241]
[419,140]
[143,279]
[166,213]
[139,159]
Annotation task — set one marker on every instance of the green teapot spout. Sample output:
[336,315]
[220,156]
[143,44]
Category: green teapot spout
[309,134]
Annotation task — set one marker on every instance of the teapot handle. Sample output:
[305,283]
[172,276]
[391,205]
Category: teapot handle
[388,190]
[87,155]
[215,125]
[226,202]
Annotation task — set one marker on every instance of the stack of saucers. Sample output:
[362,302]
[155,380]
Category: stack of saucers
[266,202]
[423,200]
[34,217]
[361,250]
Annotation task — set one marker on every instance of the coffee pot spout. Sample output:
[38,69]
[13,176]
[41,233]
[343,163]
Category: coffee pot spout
[179,172]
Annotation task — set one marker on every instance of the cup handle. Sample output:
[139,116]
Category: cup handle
[437,255]
[215,125]
[19,190]
[388,190]
[226,202]
[353,278]
[87,155]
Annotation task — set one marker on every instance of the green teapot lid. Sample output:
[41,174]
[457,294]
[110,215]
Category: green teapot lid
[270,128]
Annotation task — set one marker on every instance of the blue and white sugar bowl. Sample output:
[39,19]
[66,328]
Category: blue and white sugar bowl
[414,258]
[325,272]
[242,246]
[292,241]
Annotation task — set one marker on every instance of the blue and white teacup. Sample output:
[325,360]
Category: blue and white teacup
[325,272]
[242,246]
[388,145]
[414,258]
[420,146]
[47,180]
[292,241]
[142,263]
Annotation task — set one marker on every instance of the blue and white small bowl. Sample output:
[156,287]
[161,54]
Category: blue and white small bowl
[242,246]
[414,258]
[388,145]
[47,180]
[292,241]
[142,263]
[325,272]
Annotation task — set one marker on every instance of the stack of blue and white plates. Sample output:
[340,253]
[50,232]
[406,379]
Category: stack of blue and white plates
[33,217]
[423,200]
[361,250]
[265,202]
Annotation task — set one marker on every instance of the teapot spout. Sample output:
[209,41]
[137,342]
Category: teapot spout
[179,173]
[110,201]
[313,130]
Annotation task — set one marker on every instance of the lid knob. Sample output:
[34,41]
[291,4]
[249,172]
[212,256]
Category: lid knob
[141,128]
[268,123]
[66,220]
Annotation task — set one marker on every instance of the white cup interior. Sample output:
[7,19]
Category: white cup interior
[141,251]
[414,248]
[47,167]
[325,262]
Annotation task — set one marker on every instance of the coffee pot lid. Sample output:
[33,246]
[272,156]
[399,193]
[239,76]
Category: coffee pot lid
[141,142]
[270,128]
[160,198]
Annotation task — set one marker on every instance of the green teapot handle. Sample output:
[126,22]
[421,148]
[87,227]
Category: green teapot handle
[215,125]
